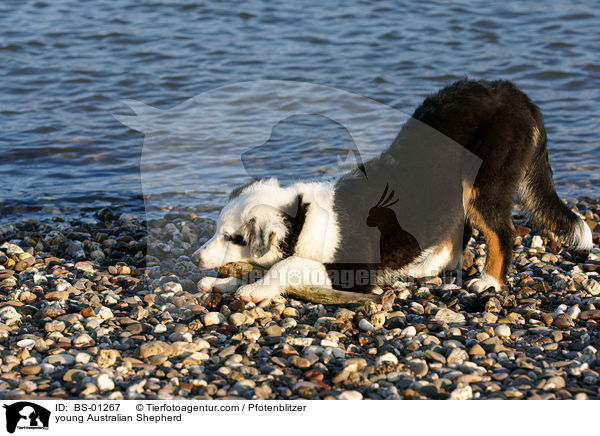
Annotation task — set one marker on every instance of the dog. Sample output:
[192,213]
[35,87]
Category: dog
[310,234]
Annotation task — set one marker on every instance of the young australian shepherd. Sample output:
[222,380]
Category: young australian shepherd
[370,228]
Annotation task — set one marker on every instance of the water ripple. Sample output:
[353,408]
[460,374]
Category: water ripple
[67,65]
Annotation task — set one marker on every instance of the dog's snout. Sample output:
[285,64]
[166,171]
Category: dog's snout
[197,258]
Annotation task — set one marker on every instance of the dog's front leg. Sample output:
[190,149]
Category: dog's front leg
[290,273]
[226,285]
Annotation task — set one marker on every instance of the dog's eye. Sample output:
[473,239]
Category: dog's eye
[238,239]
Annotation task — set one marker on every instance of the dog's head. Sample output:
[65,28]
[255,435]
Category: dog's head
[252,227]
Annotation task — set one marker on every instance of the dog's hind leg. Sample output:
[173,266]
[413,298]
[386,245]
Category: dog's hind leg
[546,210]
[291,273]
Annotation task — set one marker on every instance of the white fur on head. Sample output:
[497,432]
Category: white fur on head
[257,212]
[253,213]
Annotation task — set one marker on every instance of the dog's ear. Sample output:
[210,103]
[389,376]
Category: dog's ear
[263,230]
[260,240]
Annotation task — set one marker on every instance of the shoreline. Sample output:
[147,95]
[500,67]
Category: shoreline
[86,312]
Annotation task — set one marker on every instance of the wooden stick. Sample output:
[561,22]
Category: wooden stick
[333,296]
[250,273]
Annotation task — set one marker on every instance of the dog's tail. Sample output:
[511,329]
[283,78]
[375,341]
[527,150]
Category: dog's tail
[547,212]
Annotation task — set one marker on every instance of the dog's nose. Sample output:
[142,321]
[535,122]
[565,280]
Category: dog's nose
[197,258]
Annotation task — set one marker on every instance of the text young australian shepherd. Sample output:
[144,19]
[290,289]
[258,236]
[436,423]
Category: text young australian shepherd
[305,232]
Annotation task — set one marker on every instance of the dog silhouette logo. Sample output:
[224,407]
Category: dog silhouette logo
[26,415]
[291,130]
[309,147]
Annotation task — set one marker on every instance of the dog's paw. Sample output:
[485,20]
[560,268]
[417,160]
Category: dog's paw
[206,284]
[256,292]
[484,282]
[227,285]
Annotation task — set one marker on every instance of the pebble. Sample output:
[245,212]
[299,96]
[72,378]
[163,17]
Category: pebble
[154,348]
[350,395]
[355,364]
[26,343]
[104,383]
[435,356]
[448,316]
[110,314]
[386,358]
[457,355]
[537,242]
[60,359]
[213,318]
[54,326]
[9,315]
[273,330]
[300,362]
[408,332]
[462,392]
[82,358]
[27,386]
[477,350]
[252,334]
[57,295]
[74,375]
[103,313]
[591,286]
[107,358]
[418,367]
[237,319]
[83,340]
[159,329]
[554,383]
[562,322]
[365,325]
[328,343]
[502,331]
[290,312]
[31,370]
[573,312]
[333,354]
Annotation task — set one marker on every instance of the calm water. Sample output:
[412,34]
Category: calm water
[67,66]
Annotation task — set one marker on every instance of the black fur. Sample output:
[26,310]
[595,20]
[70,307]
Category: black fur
[495,121]
[239,189]
[259,240]
[501,126]
[294,225]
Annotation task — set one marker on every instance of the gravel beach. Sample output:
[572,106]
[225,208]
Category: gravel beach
[88,312]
